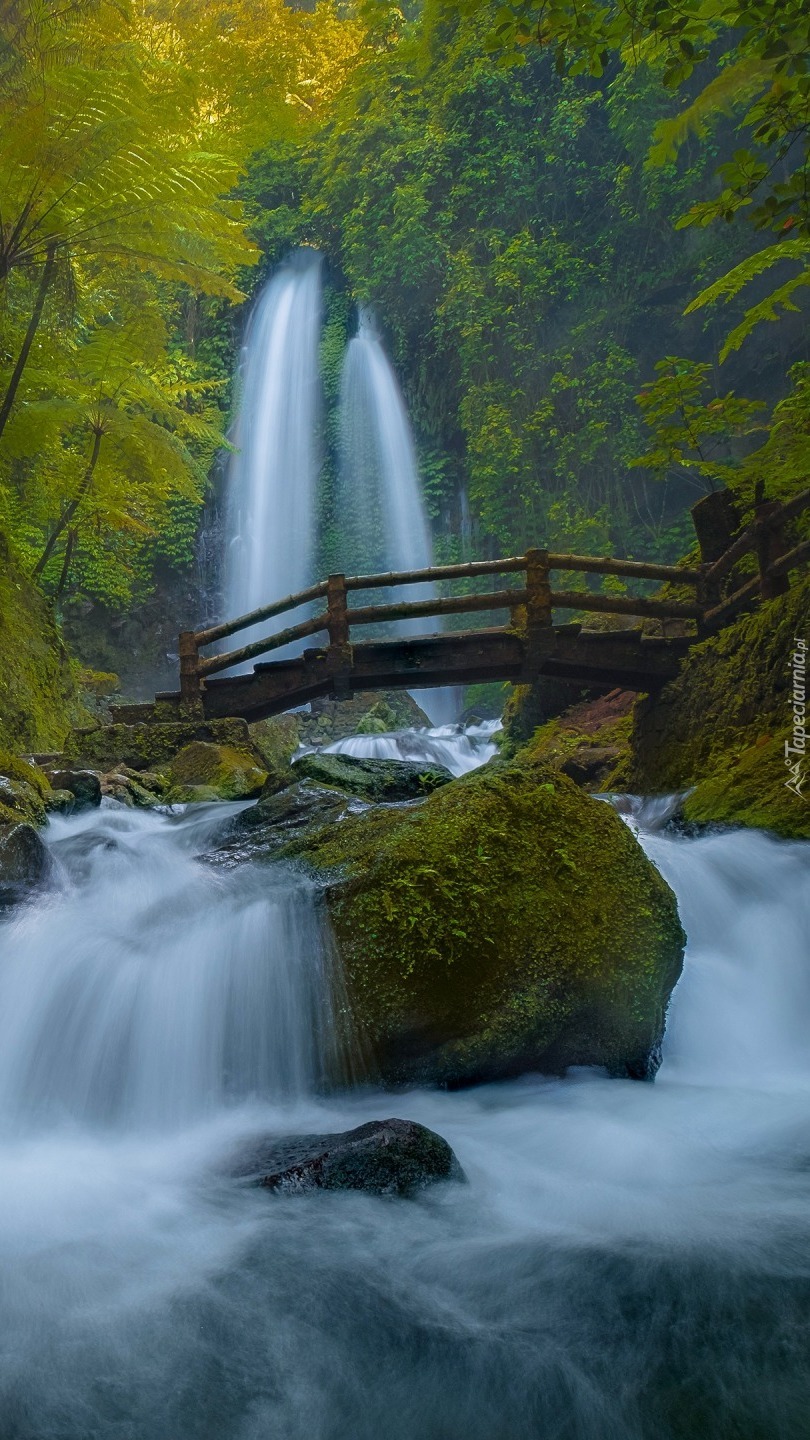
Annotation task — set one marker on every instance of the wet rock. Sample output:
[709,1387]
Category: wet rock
[60,802]
[590,765]
[214,772]
[127,790]
[282,817]
[384,1157]
[25,864]
[19,800]
[84,786]
[386,781]
[23,790]
[509,923]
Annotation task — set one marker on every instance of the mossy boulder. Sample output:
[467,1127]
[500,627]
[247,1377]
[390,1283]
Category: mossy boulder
[386,781]
[24,790]
[84,785]
[509,923]
[201,771]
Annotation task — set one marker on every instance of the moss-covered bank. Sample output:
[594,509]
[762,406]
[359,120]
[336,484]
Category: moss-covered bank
[38,691]
[509,923]
[721,726]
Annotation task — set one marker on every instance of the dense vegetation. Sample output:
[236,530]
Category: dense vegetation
[547,205]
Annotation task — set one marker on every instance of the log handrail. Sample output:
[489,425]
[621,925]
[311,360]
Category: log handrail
[535,600]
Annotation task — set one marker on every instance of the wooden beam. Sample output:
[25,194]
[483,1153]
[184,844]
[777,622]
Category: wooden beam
[638,569]
[624,605]
[255,617]
[214,663]
[467,571]
[423,609]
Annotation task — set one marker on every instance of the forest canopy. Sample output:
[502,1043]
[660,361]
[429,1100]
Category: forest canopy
[574,223]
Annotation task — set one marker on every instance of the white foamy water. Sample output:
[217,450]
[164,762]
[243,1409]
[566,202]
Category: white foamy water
[458,748]
[627,1261]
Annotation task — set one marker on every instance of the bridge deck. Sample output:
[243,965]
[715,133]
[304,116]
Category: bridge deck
[591,658]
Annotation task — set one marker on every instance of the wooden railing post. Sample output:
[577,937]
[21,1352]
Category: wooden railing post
[538,606]
[340,650]
[771,542]
[189,669]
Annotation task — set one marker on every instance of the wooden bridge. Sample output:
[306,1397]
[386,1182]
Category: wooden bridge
[525,648]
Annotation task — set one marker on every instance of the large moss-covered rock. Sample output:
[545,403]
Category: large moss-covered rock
[509,923]
[214,772]
[388,781]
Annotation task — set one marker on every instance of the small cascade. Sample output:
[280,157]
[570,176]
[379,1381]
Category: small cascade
[459,749]
[379,486]
[273,476]
[154,989]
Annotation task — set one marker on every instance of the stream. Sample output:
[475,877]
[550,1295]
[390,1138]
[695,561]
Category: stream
[627,1262]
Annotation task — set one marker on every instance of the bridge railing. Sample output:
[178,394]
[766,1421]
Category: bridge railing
[530,603]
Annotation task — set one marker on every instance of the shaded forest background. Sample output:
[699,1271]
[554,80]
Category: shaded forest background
[577,227]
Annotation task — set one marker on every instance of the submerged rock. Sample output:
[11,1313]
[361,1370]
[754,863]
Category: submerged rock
[509,923]
[384,1157]
[25,864]
[374,780]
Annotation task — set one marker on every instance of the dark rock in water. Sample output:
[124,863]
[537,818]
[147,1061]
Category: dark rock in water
[374,780]
[280,819]
[84,786]
[25,863]
[384,1157]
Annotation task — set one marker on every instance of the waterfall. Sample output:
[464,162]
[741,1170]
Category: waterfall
[379,488]
[273,475]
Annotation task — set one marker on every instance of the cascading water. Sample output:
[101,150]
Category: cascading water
[192,988]
[627,1262]
[273,475]
[379,486]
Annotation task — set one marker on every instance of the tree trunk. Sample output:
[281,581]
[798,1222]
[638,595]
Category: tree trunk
[66,563]
[71,508]
[33,324]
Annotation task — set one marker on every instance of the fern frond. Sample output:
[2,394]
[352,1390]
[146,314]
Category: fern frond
[735,280]
[735,87]
[766,310]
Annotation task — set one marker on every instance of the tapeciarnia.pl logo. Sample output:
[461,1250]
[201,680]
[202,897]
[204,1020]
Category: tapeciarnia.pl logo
[796,746]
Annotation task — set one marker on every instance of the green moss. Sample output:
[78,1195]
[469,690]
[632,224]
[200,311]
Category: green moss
[24,790]
[509,922]
[749,788]
[151,746]
[38,694]
[720,726]
[219,771]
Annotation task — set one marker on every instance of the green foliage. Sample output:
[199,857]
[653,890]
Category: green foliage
[504,226]
[690,431]
[759,83]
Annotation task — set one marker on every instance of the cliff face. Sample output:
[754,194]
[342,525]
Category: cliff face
[38,692]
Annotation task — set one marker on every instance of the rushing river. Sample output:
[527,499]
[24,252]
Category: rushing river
[627,1262]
